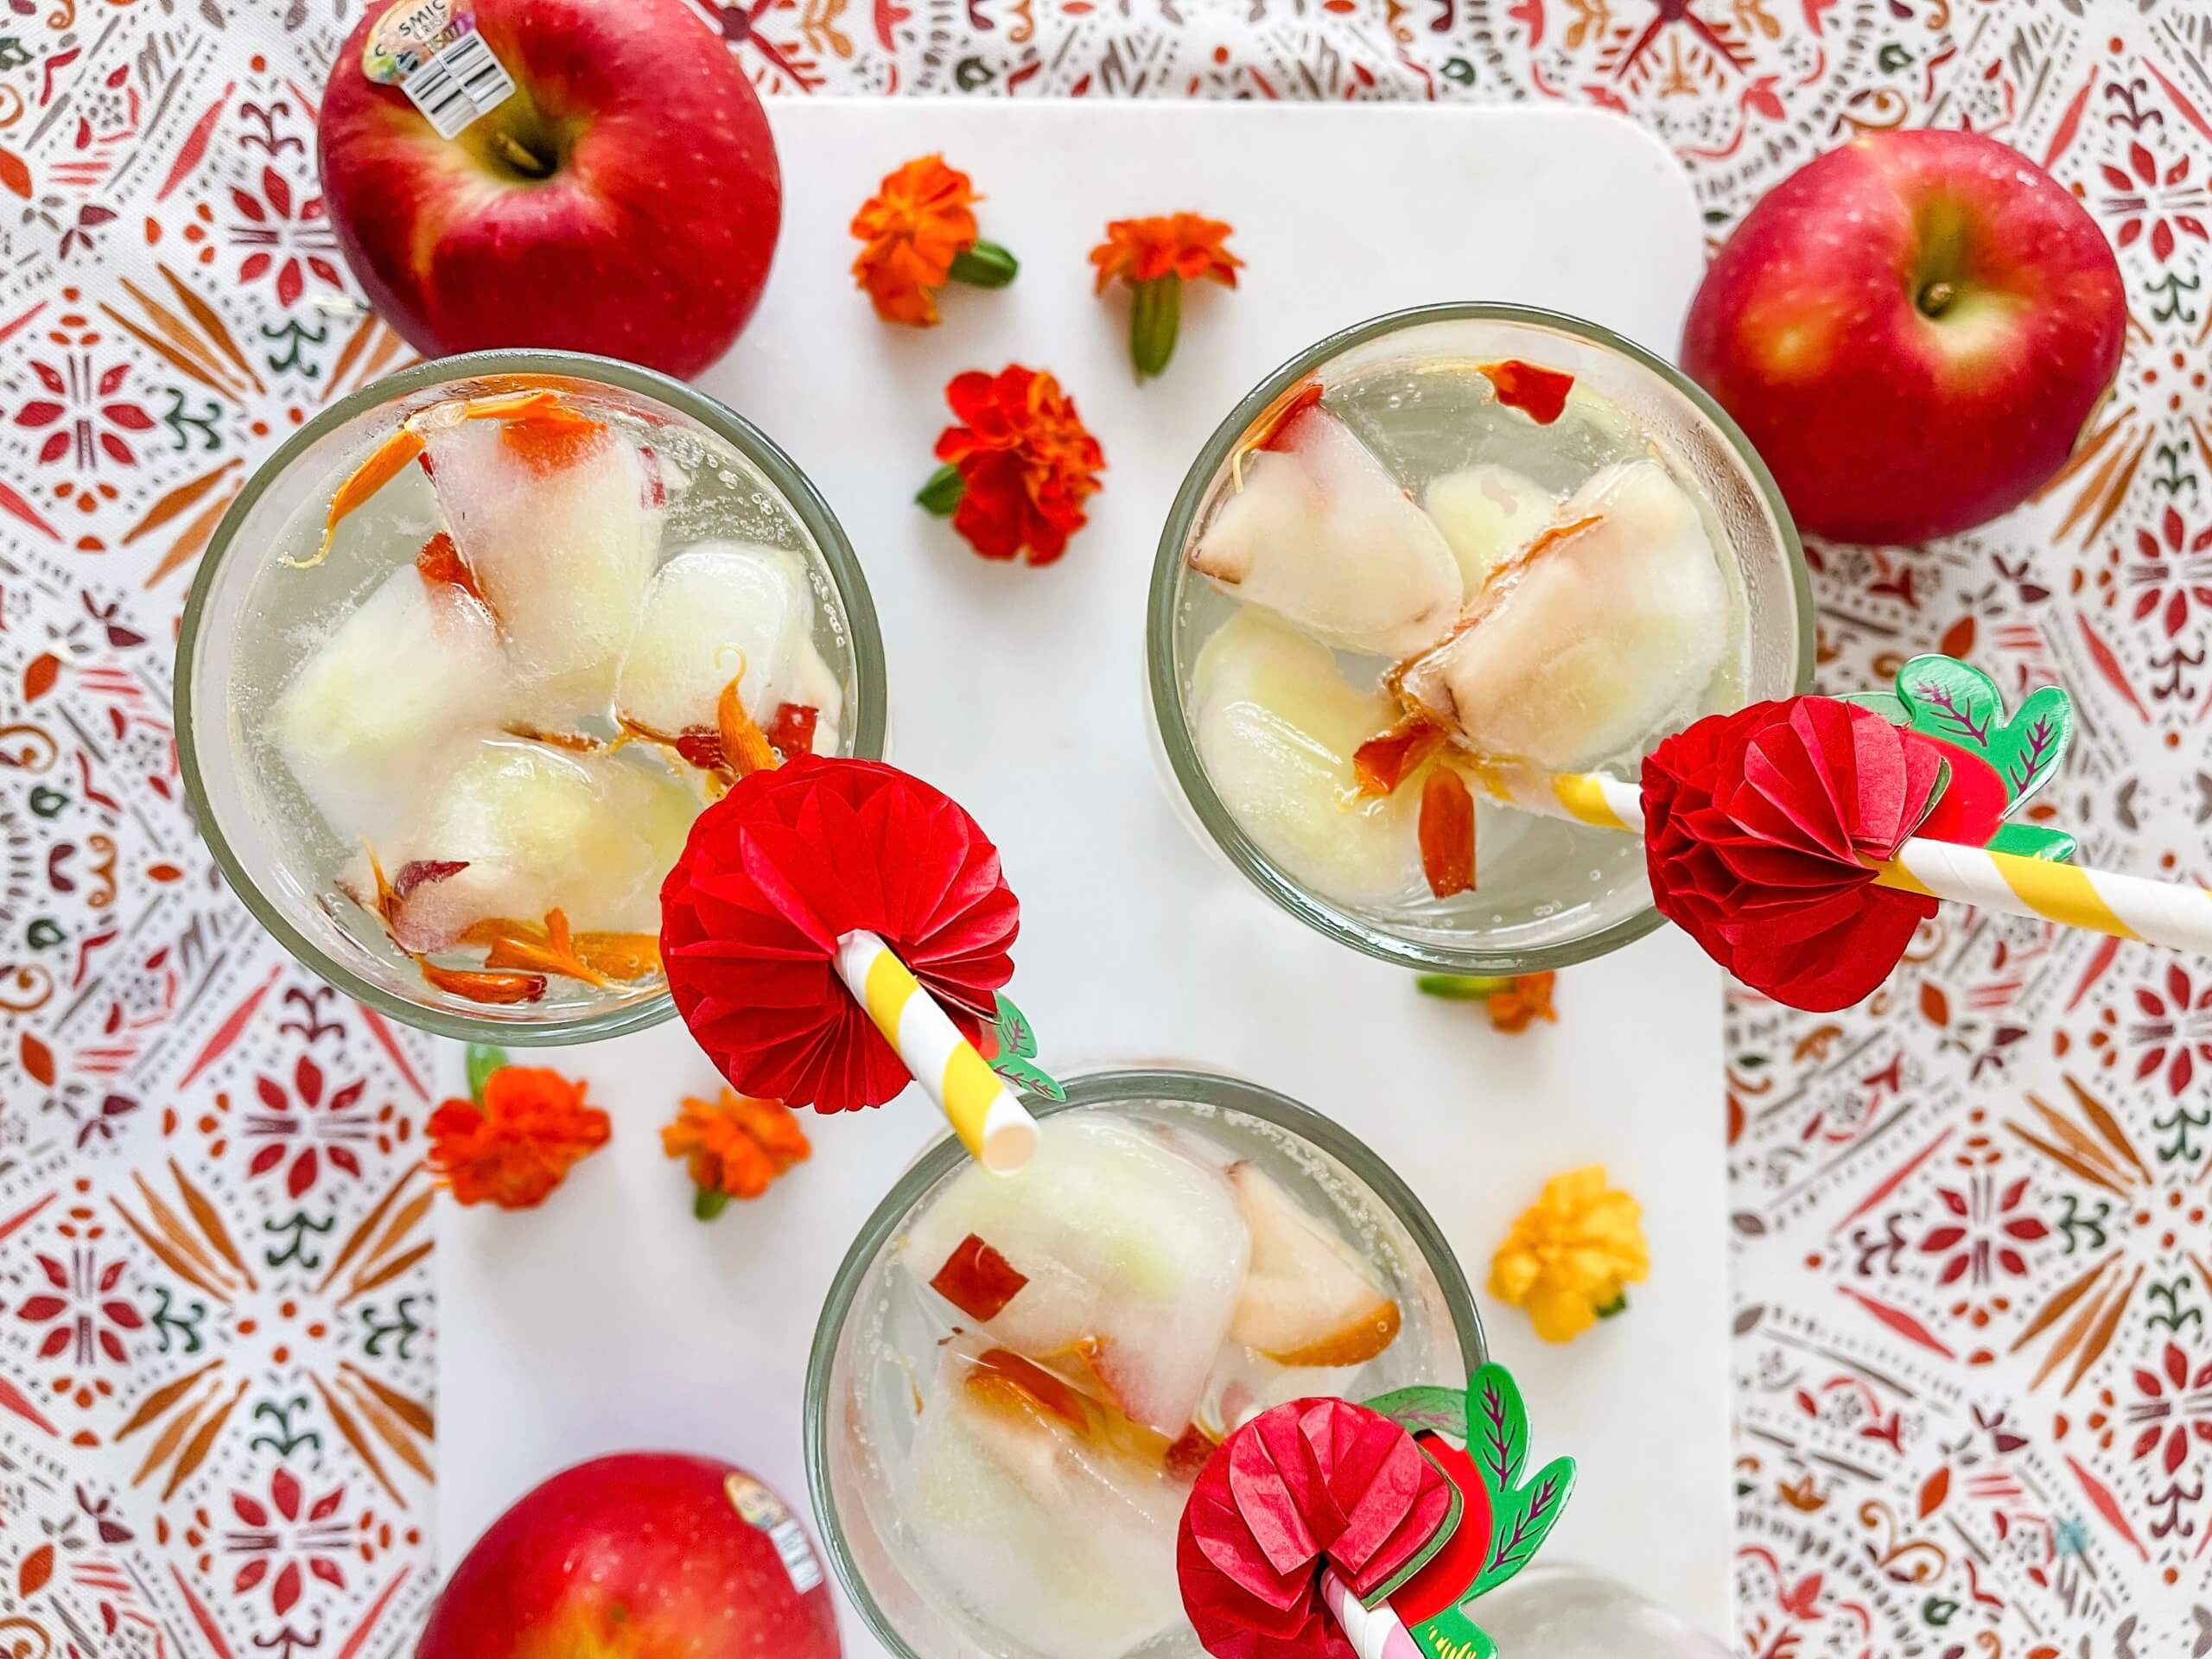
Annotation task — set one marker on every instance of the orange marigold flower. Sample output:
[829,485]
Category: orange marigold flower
[1513,1004]
[516,1148]
[1527,999]
[735,1147]
[1168,245]
[1018,466]
[918,233]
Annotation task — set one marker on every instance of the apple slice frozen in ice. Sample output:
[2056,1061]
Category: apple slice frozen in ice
[1010,1465]
[1320,534]
[710,613]
[516,830]
[552,513]
[1601,631]
[1277,726]
[1131,1254]
[363,721]
[1488,514]
[1308,1299]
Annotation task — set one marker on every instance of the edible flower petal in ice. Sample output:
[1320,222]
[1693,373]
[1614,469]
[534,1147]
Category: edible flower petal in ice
[1018,466]
[1572,1256]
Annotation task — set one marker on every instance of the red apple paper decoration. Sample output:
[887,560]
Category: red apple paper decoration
[636,1556]
[624,200]
[1913,331]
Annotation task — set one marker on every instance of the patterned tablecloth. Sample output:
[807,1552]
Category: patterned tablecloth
[1973,1370]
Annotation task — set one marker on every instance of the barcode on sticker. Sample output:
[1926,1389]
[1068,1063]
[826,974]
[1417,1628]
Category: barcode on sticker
[462,82]
[790,1541]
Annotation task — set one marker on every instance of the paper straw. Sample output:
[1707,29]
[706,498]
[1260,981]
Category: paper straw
[991,1123]
[2105,901]
[1374,1632]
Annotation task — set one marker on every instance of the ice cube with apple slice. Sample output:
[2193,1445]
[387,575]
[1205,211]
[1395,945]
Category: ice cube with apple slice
[516,829]
[1129,1254]
[1309,1298]
[1606,627]
[556,516]
[724,610]
[1276,727]
[1488,512]
[1010,1465]
[1319,532]
[368,712]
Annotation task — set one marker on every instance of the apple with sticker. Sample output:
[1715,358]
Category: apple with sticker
[551,173]
[639,1555]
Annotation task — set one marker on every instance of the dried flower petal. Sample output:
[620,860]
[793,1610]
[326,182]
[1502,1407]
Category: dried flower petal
[1386,761]
[1447,833]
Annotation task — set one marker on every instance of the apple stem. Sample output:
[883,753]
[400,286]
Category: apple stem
[1936,298]
[520,156]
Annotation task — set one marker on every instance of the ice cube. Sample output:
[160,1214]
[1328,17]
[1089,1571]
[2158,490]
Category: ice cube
[1309,1298]
[366,718]
[1488,514]
[711,610]
[1323,536]
[559,534]
[1052,1521]
[1243,1384]
[1603,632]
[536,829]
[1133,1254]
[1277,726]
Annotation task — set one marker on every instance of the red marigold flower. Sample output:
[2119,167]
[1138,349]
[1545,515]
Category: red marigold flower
[1018,466]
[1156,256]
[735,1147]
[918,233]
[518,1145]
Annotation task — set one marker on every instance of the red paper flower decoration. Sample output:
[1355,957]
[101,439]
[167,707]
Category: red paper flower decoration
[781,866]
[1307,1484]
[1759,828]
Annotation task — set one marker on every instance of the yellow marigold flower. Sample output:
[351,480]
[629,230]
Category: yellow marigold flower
[1572,1254]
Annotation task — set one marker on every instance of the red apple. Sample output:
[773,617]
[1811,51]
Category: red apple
[624,200]
[1913,331]
[642,1555]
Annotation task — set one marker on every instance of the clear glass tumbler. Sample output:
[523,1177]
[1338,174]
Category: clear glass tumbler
[250,615]
[864,1399]
[1409,385]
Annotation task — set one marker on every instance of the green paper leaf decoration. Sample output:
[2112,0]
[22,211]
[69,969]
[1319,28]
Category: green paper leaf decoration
[1953,701]
[1027,1074]
[1017,1036]
[2034,840]
[1497,1428]
[1520,1521]
[1442,1411]
[1452,1635]
[1889,706]
[483,1061]
[2027,748]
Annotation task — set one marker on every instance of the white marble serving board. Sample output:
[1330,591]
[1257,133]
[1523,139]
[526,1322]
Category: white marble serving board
[610,1318]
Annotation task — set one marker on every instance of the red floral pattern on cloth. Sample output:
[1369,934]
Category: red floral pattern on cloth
[1931,1464]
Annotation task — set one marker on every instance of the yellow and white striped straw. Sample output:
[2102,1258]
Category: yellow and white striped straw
[999,1133]
[2127,907]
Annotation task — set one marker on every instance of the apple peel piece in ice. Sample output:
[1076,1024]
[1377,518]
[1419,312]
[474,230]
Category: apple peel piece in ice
[1133,1252]
[1307,1298]
[1605,628]
[1320,534]
[1538,392]
[977,1279]
[1278,729]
